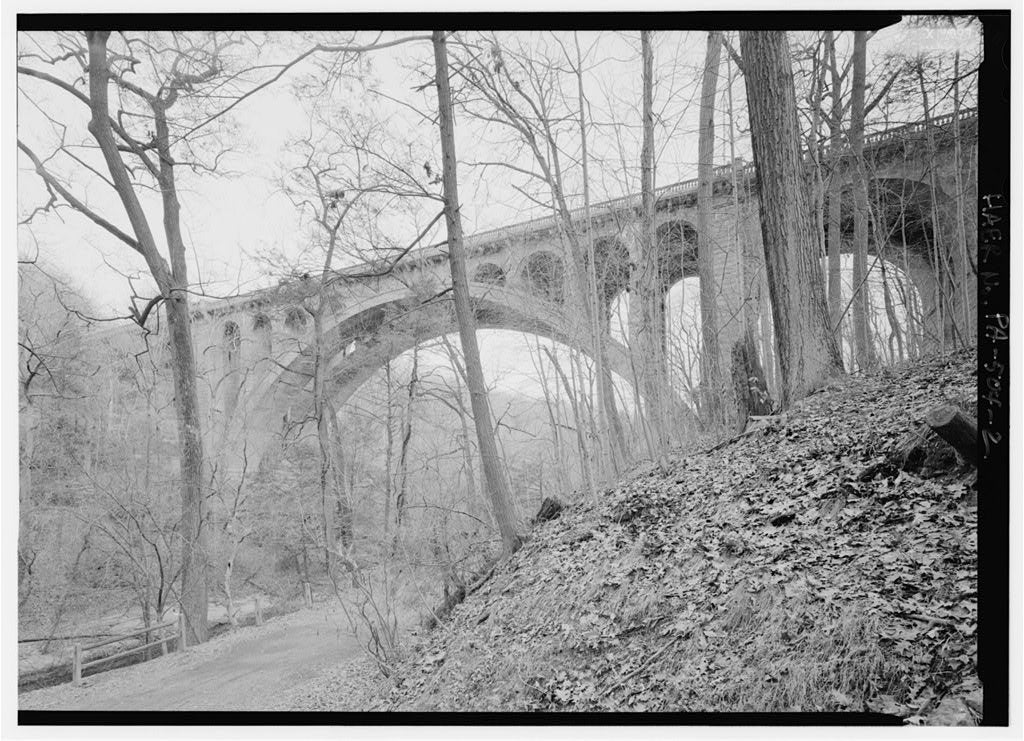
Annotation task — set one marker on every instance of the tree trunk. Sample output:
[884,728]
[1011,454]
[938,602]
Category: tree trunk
[29,418]
[647,320]
[711,370]
[807,350]
[946,319]
[554,409]
[577,423]
[323,436]
[389,444]
[173,284]
[966,294]
[835,191]
[749,273]
[343,489]
[403,451]
[748,380]
[814,149]
[609,449]
[474,503]
[473,500]
[863,344]
[497,483]
[882,236]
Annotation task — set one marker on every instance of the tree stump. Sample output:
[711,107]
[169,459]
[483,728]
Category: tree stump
[953,426]
[927,448]
[550,508]
[752,396]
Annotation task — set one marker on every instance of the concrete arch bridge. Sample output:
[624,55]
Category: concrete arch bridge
[257,349]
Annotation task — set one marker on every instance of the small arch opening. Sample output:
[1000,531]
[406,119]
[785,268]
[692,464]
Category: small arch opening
[232,347]
[677,253]
[262,328]
[490,273]
[611,261]
[295,320]
[544,274]
[232,342]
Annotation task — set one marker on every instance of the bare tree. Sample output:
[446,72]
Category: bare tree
[522,90]
[56,366]
[497,483]
[807,349]
[169,89]
[711,370]
[403,451]
[647,319]
[186,71]
[864,347]
[835,188]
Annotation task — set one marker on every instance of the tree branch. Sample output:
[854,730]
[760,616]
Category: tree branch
[53,183]
[881,94]
[335,49]
[390,268]
[134,146]
[732,53]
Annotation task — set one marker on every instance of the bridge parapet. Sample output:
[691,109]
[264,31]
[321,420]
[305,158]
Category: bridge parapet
[745,174]
[544,228]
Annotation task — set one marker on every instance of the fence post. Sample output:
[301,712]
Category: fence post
[76,667]
[308,593]
[259,613]
[182,641]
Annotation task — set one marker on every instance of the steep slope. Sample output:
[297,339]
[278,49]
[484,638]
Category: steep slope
[793,568]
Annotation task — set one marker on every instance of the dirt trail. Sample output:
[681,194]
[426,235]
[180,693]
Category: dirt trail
[248,670]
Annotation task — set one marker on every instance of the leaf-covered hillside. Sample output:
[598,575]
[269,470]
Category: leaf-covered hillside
[797,567]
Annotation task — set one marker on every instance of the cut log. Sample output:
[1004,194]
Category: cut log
[957,429]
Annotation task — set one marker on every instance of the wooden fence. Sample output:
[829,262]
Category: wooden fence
[79,665]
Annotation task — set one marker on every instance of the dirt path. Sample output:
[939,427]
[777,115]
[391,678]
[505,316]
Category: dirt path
[250,669]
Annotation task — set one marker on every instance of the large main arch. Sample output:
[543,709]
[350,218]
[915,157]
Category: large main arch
[366,336]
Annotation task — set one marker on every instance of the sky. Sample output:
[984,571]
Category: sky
[230,219]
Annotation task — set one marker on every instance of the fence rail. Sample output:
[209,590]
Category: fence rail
[79,665]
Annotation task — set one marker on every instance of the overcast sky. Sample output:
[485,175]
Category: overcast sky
[228,220]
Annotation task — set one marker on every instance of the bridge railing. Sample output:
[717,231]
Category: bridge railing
[745,173]
[683,187]
[919,127]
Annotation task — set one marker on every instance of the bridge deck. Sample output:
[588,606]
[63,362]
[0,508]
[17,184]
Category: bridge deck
[477,241]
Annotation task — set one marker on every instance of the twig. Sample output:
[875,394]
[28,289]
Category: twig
[649,661]
[927,619]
